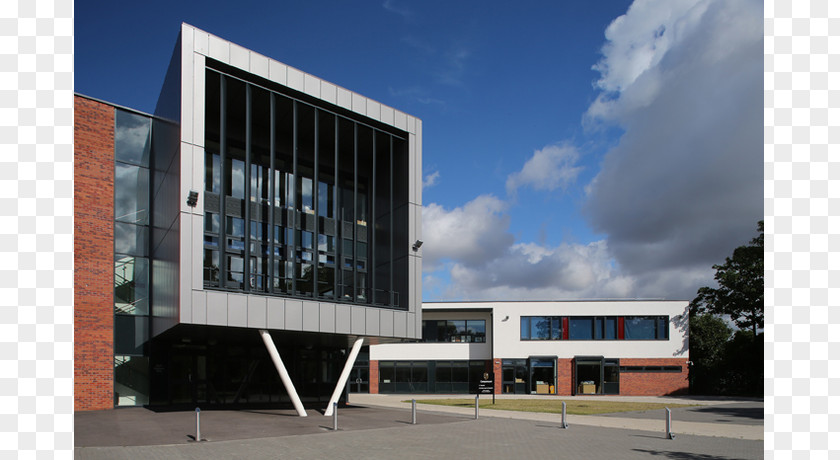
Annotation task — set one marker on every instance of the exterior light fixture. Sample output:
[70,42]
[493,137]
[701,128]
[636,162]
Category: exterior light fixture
[416,245]
[192,199]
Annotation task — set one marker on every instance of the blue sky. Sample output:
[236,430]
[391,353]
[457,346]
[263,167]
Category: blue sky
[571,149]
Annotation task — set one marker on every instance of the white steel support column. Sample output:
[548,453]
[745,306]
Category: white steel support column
[281,369]
[342,379]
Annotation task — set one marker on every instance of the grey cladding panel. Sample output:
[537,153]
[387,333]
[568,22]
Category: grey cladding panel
[294,315]
[357,322]
[327,317]
[311,316]
[342,319]
[372,322]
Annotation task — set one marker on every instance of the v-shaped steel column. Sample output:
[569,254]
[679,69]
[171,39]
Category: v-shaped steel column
[284,375]
[342,379]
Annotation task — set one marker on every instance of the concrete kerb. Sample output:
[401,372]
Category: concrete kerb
[725,430]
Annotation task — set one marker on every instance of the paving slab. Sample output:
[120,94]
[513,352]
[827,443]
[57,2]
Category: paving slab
[704,420]
[487,437]
[137,426]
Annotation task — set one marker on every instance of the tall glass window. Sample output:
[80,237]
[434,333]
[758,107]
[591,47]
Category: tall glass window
[306,204]
[132,156]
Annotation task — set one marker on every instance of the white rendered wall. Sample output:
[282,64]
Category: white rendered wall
[198,306]
[506,322]
[508,344]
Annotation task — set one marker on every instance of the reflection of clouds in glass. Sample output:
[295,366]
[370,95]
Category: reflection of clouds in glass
[237,181]
[129,239]
[131,200]
[131,138]
[124,239]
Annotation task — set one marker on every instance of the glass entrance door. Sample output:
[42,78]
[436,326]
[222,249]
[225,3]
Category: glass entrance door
[359,380]
[596,375]
[514,376]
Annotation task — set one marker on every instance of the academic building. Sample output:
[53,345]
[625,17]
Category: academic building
[240,245]
[256,242]
[551,348]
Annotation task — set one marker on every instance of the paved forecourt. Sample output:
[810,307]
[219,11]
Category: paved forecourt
[377,426]
[720,417]
[490,437]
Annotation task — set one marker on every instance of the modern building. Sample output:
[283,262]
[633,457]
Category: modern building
[242,243]
[635,347]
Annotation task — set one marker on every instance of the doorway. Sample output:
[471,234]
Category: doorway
[359,381]
[514,376]
[543,374]
[596,375]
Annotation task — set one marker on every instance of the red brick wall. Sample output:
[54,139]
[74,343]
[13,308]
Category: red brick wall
[374,377]
[565,376]
[93,243]
[654,383]
[497,376]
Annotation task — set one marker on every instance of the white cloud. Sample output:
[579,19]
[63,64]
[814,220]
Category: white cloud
[431,179]
[548,169]
[473,248]
[533,272]
[683,187]
[470,235]
[680,190]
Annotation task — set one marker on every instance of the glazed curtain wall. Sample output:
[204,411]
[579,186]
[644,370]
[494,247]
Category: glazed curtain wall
[301,201]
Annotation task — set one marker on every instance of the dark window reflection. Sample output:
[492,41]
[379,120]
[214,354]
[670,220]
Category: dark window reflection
[131,285]
[132,136]
[131,239]
[131,194]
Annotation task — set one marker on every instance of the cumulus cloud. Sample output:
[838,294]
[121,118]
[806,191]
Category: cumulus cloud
[471,234]
[680,190]
[473,247]
[683,187]
[550,168]
[431,179]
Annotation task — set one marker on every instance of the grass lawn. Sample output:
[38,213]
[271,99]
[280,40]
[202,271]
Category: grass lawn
[553,406]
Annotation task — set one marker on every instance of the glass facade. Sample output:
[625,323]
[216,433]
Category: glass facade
[541,328]
[132,154]
[431,376]
[463,330]
[594,328]
[301,201]
[646,328]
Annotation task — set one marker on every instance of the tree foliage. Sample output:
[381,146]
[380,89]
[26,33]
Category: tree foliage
[707,340]
[723,362]
[740,292]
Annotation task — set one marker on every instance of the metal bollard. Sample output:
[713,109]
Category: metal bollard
[565,425]
[335,416]
[414,412]
[197,424]
[476,407]
[668,433]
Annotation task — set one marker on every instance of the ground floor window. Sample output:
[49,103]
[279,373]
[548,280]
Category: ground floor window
[596,375]
[131,380]
[458,377]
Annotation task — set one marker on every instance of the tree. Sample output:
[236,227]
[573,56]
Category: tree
[740,292]
[707,342]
